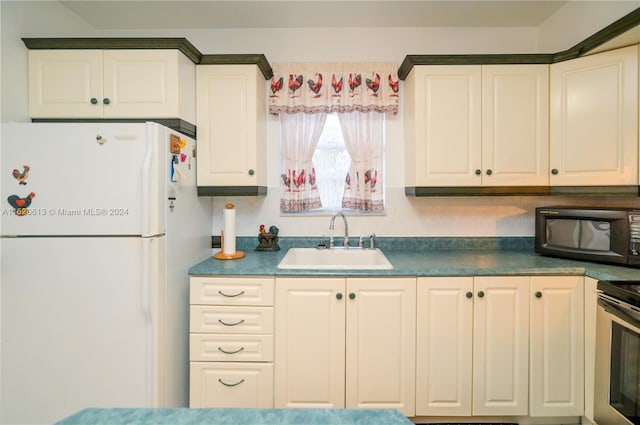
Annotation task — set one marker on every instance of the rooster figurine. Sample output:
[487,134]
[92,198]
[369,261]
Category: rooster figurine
[21,176]
[315,86]
[18,203]
[268,241]
[295,83]
[276,85]
[374,84]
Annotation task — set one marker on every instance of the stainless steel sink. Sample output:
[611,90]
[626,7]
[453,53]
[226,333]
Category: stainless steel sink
[335,259]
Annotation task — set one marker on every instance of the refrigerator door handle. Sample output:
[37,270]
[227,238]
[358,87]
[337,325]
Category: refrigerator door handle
[147,163]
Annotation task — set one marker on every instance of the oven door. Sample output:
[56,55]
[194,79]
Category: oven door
[617,380]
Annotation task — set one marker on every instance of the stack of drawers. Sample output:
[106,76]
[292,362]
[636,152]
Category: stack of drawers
[231,342]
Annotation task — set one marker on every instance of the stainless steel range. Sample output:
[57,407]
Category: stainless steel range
[617,381]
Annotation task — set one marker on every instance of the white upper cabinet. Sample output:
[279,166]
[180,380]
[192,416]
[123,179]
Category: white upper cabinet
[515,125]
[477,125]
[594,120]
[231,125]
[443,125]
[85,84]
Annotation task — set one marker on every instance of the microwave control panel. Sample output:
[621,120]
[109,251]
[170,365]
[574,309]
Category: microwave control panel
[634,233]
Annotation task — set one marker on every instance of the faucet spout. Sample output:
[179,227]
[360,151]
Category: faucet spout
[346,226]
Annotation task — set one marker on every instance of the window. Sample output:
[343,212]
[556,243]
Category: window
[331,161]
[332,134]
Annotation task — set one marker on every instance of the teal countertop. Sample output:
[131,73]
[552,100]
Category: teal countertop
[424,257]
[184,416]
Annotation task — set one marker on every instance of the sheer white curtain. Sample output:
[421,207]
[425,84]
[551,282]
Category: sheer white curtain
[364,138]
[299,135]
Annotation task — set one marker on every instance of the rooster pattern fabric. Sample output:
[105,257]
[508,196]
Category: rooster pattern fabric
[334,87]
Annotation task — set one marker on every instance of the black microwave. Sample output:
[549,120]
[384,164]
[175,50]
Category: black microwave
[607,235]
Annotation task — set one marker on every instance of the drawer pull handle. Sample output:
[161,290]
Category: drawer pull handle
[231,324]
[230,352]
[231,295]
[230,385]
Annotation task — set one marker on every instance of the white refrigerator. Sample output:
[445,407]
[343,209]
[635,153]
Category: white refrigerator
[100,223]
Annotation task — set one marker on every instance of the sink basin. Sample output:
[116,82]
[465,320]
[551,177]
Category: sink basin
[335,259]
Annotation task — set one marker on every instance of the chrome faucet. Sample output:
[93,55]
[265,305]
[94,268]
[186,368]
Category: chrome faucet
[346,227]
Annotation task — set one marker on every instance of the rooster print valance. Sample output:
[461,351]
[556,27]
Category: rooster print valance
[334,87]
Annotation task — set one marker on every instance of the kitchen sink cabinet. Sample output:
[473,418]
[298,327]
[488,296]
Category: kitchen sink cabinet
[231,341]
[231,121]
[594,120]
[472,346]
[345,343]
[557,346]
[111,84]
[476,125]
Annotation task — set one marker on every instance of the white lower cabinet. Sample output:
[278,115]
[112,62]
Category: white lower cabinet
[231,342]
[345,343]
[472,346]
[500,346]
[557,346]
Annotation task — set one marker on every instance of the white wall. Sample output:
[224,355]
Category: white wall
[444,216]
[577,20]
[23,19]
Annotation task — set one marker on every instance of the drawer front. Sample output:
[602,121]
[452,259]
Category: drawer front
[235,320]
[231,348]
[232,291]
[217,384]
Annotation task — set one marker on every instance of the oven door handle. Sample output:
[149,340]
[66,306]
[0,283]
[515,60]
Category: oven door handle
[620,309]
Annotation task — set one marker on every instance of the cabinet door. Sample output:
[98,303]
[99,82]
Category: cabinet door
[309,342]
[64,83]
[444,346]
[594,119]
[557,347]
[447,120]
[231,117]
[501,345]
[141,83]
[380,341]
[515,125]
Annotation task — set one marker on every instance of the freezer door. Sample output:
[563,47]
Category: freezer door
[82,179]
[78,330]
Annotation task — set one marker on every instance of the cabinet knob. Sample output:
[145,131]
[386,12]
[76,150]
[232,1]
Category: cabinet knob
[93,101]
[339,295]
[554,171]
[106,101]
[538,294]
[489,172]
[469,294]
[478,172]
[352,296]
[251,172]
[481,294]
